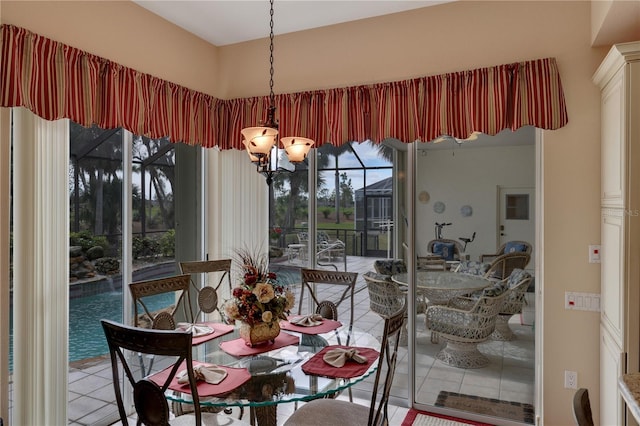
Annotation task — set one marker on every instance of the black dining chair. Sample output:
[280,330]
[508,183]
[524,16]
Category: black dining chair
[208,294]
[151,405]
[582,408]
[321,412]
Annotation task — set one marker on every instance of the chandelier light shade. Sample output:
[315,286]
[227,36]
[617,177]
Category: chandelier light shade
[260,141]
[297,148]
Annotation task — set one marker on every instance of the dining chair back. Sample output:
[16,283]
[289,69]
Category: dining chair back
[332,411]
[345,282]
[161,317]
[149,398]
[208,294]
[502,266]
[582,408]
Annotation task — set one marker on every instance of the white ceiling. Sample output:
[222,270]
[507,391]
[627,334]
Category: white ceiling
[223,22]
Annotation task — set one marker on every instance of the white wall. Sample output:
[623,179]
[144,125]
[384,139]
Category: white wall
[469,176]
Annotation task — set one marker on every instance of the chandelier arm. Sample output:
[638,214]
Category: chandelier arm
[259,141]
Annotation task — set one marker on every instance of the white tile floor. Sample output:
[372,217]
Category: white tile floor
[509,376]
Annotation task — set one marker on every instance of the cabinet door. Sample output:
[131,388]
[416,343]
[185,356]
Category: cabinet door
[611,361]
[612,149]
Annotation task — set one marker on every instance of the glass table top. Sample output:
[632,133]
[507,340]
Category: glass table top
[277,376]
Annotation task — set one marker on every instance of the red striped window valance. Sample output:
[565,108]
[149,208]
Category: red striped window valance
[56,81]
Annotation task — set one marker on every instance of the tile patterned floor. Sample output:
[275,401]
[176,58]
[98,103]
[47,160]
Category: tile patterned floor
[509,376]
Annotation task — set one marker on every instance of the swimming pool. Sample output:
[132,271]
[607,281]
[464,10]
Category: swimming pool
[86,338]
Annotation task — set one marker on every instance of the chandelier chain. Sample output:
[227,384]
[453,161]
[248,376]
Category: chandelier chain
[271,95]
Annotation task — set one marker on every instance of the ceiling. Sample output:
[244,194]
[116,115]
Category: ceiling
[223,22]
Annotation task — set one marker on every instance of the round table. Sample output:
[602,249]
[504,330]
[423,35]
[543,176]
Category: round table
[277,376]
[441,286]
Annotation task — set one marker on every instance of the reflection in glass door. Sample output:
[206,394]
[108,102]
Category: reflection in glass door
[453,383]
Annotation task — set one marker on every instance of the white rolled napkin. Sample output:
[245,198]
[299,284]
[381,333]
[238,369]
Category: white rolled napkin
[307,320]
[339,356]
[211,374]
[196,329]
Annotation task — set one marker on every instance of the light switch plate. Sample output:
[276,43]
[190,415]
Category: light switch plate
[594,253]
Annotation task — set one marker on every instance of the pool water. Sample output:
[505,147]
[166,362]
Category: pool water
[86,338]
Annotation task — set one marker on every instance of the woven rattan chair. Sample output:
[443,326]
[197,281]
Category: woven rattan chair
[464,323]
[503,265]
[330,412]
[390,266]
[207,294]
[457,248]
[386,297]
[431,263]
[149,398]
[518,282]
[508,247]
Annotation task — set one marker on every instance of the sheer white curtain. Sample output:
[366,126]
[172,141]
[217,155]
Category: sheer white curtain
[41,269]
[237,209]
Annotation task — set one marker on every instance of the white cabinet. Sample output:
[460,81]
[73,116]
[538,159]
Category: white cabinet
[619,80]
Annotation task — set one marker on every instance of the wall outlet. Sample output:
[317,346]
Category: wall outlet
[570,379]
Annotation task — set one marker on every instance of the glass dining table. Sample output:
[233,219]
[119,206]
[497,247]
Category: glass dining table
[441,286]
[277,375]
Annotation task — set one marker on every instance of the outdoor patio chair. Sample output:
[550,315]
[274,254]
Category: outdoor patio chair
[518,283]
[338,412]
[463,323]
[472,267]
[386,297]
[207,294]
[503,265]
[448,250]
[326,249]
[431,263]
[390,266]
[508,247]
[152,407]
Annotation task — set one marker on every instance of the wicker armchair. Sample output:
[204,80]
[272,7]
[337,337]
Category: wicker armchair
[508,247]
[464,323]
[518,282]
[504,264]
[391,267]
[442,248]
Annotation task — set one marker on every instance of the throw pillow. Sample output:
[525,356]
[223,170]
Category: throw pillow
[513,247]
[444,250]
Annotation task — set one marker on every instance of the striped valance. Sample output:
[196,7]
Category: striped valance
[56,81]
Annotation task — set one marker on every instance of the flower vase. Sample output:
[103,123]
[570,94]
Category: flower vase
[262,332]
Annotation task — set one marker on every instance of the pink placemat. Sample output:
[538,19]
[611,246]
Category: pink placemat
[219,329]
[235,377]
[317,366]
[238,347]
[326,326]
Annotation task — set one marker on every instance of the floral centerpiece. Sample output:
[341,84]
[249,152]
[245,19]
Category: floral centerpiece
[260,302]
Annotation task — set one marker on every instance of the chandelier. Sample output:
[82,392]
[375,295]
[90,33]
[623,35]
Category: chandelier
[262,142]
